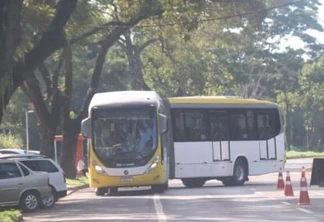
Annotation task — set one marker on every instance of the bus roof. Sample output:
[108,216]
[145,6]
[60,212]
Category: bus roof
[124,97]
[218,100]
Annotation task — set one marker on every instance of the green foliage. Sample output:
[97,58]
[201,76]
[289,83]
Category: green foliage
[78,181]
[298,154]
[10,141]
[13,128]
[10,215]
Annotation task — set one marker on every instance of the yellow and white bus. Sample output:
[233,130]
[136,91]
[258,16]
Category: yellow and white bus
[224,138]
[127,141]
[194,139]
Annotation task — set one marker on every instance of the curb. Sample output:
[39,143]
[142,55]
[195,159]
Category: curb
[72,189]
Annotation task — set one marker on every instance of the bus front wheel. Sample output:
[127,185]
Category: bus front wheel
[112,191]
[193,182]
[100,191]
[160,188]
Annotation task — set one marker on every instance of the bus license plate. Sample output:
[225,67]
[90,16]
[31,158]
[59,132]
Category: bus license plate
[126,179]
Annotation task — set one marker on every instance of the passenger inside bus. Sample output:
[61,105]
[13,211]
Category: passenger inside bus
[145,141]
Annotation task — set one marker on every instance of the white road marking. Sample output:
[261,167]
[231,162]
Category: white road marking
[285,203]
[305,211]
[159,208]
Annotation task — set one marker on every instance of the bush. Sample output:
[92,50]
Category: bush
[10,141]
[299,154]
[10,216]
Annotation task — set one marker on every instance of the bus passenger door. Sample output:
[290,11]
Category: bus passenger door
[219,136]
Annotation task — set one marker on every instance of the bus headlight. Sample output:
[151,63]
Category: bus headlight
[153,166]
[98,168]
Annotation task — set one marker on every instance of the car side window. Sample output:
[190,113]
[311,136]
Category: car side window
[40,165]
[9,170]
[24,170]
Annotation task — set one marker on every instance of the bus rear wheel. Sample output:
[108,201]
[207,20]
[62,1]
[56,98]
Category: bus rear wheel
[240,174]
[193,182]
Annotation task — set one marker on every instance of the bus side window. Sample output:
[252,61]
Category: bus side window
[179,127]
[238,127]
[265,126]
[251,125]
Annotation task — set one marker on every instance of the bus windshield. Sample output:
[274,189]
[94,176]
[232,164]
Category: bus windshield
[124,137]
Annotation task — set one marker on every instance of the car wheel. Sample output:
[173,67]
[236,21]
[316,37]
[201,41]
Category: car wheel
[49,201]
[29,201]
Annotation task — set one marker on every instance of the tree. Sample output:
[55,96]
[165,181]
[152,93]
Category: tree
[15,72]
[311,80]
[10,34]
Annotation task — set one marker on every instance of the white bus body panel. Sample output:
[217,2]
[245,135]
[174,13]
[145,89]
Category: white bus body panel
[193,159]
[210,159]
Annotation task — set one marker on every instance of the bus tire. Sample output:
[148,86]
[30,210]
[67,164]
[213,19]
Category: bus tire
[227,181]
[111,191]
[160,188]
[193,182]
[240,174]
[100,191]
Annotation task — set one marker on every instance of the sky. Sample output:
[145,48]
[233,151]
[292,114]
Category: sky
[320,36]
[295,43]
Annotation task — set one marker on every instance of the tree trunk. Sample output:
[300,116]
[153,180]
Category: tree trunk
[10,32]
[133,53]
[46,142]
[70,138]
[288,123]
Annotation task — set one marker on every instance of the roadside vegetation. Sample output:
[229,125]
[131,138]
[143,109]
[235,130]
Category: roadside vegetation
[77,181]
[304,152]
[301,154]
[10,216]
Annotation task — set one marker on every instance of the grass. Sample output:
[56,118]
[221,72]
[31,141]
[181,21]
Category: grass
[78,181]
[10,215]
[301,154]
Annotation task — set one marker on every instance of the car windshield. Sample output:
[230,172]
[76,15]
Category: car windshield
[124,136]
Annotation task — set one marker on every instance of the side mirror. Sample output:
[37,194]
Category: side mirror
[163,123]
[86,128]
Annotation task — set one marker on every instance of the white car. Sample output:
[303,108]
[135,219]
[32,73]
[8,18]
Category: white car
[55,173]
[17,151]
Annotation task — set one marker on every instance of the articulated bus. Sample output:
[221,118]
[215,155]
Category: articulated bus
[127,141]
[138,139]
[225,138]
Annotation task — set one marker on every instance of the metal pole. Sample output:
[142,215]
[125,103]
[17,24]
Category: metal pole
[27,132]
[55,151]
[307,144]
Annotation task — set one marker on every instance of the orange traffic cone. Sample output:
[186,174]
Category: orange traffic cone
[288,186]
[303,172]
[303,195]
[280,183]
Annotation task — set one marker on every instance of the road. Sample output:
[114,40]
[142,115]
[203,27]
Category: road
[257,200]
